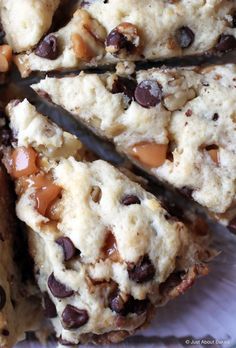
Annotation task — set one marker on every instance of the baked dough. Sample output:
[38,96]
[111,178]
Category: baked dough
[26,21]
[178,124]
[106,252]
[103,33]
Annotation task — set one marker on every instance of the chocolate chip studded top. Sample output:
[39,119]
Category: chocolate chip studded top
[112,283]
[138,30]
[180,121]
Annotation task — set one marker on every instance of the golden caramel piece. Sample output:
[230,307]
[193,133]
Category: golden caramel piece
[4,65]
[5,58]
[110,249]
[46,193]
[23,162]
[6,50]
[150,154]
[214,155]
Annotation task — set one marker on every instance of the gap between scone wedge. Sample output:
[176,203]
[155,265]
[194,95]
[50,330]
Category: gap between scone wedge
[102,33]
[178,124]
[106,252]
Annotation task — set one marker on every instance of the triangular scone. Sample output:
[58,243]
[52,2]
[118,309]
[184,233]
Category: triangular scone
[26,21]
[178,124]
[103,33]
[105,250]
[19,308]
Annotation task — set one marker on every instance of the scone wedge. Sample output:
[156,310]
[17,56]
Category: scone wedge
[177,124]
[26,21]
[102,33]
[106,252]
[19,306]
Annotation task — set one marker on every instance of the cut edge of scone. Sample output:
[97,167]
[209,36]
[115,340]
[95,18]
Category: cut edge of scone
[93,38]
[155,130]
[20,309]
[105,250]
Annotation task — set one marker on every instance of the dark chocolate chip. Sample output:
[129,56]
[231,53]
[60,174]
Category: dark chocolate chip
[2,298]
[130,199]
[2,34]
[58,289]
[232,226]
[185,37]
[73,317]
[68,247]
[148,93]
[189,113]
[226,43]
[6,136]
[65,342]
[234,20]
[143,272]
[124,85]
[116,303]
[48,48]
[137,306]
[215,117]
[5,332]
[49,307]
[118,41]
[212,147]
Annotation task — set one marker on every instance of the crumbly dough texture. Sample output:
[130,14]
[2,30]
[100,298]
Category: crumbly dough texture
[140,231]
[20,310]
[197,110]
[157,23]
[26,21]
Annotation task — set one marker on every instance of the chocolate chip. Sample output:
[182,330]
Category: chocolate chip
[48,48]
[116,303]
[215,117]
[148,93]
[130,199]
[124,85]
[2,298]
[234,20]
[49,307]
[185,37]
[143,272]
[226,43]
[65,342]
[118,41]
[73,317]
[189,113]
[212,147]
[5,332]
[5,136]
[137,306]
[2,35]
[67,246]
[232,226]
[58,289]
